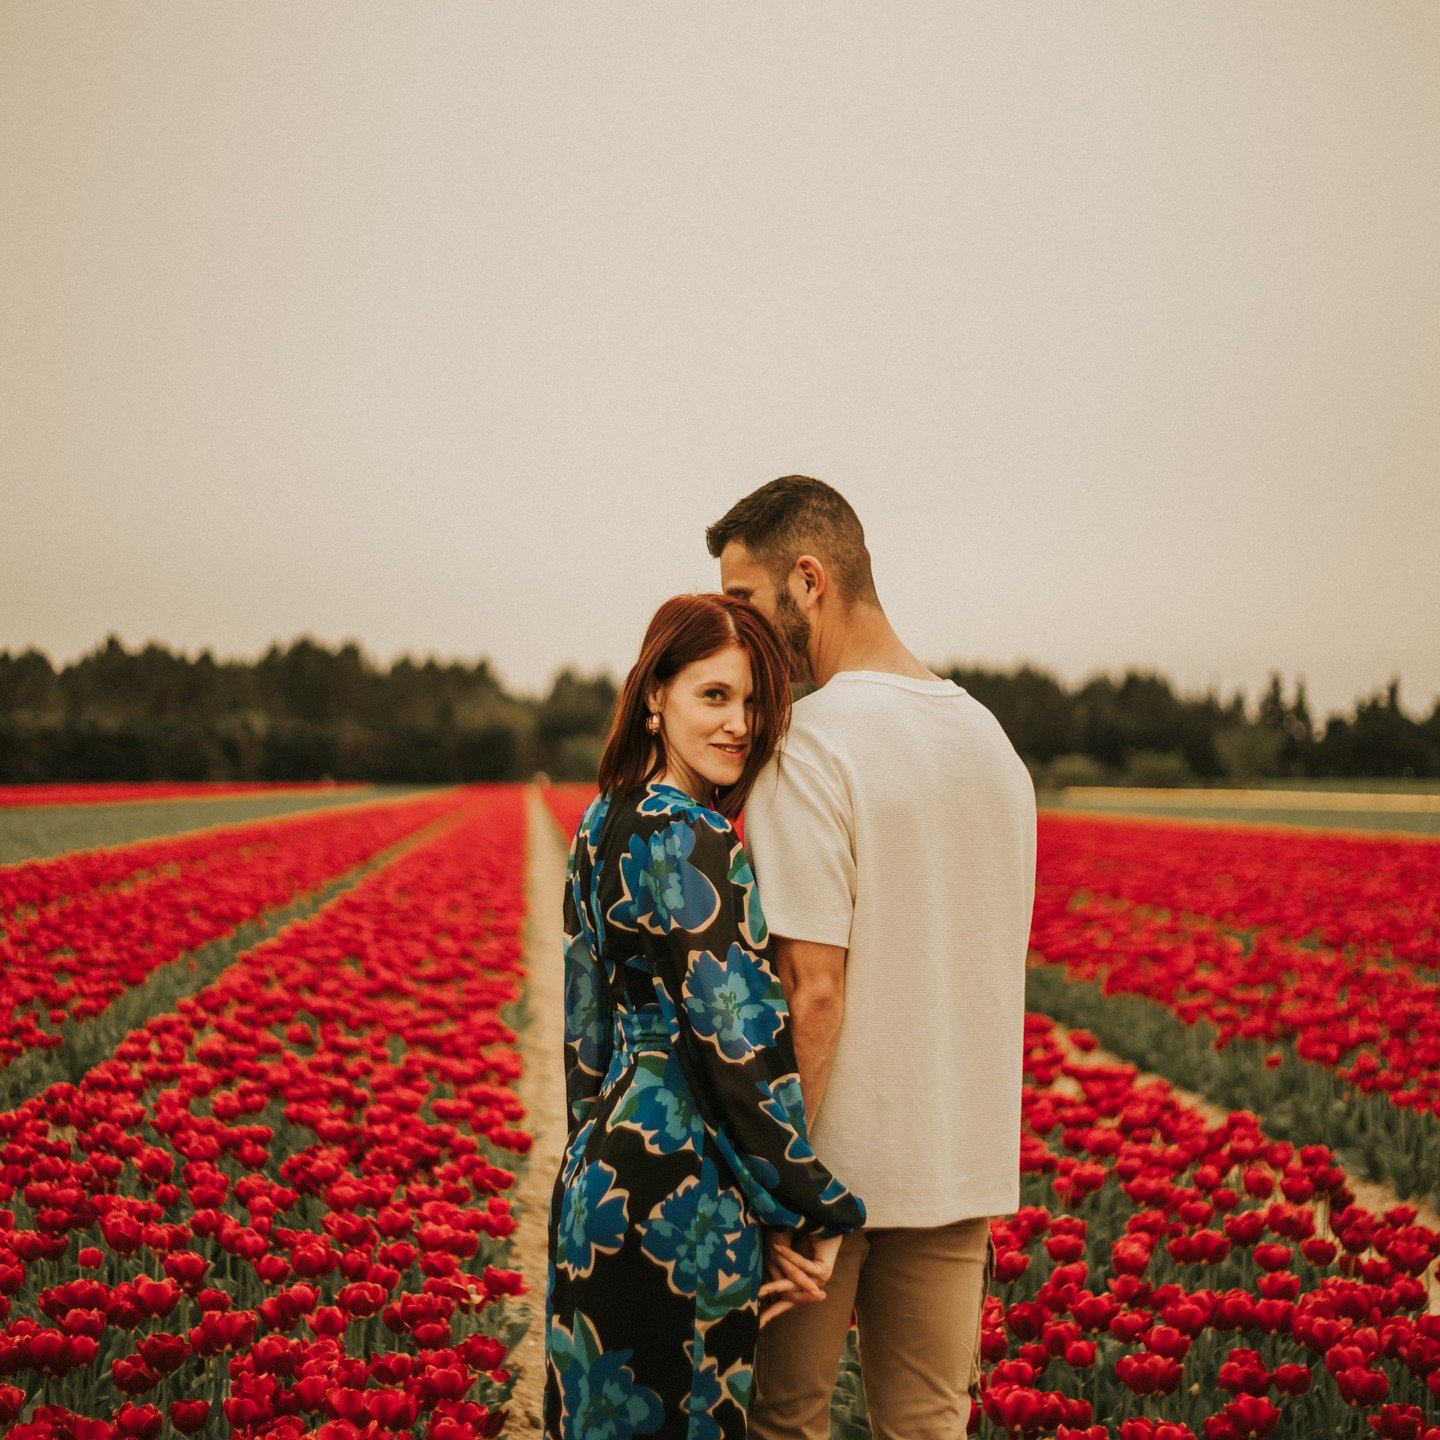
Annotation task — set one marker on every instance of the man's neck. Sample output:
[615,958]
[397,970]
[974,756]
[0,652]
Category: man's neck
[863,639]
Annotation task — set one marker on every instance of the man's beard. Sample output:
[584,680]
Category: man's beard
[794,630]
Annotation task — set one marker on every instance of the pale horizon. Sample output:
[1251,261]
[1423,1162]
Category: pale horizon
[448,329]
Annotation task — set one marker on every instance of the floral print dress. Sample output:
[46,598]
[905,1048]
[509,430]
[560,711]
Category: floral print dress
[687,1131]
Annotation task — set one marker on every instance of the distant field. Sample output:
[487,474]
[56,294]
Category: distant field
[1372,787]
[123,792]
[34,834]
[1402,807]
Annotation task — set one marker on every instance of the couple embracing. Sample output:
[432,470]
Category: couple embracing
[793,1062]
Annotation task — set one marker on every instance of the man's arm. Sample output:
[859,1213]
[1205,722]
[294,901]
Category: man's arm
[813,978]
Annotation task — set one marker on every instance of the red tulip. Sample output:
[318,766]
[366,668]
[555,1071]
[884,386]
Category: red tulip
[1361,1386]
[1166,1340]
[361,1299]
[163,1352]
[1247,1417]
[1141,1428]
[392,1409]
[1399,1422]
[328,1320]
[1292,1379]
[12,1403]
[139,1422]
[1244,1373]
[189,1416]
[1148,1374]
[1273,1257]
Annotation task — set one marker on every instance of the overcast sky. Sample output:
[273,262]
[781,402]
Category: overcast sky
[448,328]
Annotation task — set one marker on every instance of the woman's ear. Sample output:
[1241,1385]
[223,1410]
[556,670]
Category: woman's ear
[655,699]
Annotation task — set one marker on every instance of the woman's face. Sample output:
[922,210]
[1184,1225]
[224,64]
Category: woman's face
[705,722]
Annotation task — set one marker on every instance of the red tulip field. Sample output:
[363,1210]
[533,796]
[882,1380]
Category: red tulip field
[1293,974]
[276,1202]
[260,1133]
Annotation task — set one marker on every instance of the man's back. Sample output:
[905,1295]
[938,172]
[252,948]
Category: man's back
[899,823]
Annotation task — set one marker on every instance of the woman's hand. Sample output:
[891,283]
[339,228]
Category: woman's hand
[796,1277]
[777,1279]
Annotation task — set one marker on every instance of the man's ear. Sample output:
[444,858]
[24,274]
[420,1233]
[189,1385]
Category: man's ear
[813,579]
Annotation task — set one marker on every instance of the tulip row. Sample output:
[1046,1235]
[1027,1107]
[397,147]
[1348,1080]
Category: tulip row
[1370,896]
[1168,1278]
[282,1207]
[37,884]
[67,962]
[1325,1042]
[567,804]
[112,792]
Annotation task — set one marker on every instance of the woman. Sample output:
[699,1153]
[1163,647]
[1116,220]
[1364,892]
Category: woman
[687,1131]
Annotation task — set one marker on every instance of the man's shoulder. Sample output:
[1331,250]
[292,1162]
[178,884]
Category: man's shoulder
[816,722]
[851,731]
[833,708]
[827,716]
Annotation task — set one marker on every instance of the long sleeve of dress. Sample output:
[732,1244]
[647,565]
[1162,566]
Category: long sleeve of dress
[705,939]
[588,1006]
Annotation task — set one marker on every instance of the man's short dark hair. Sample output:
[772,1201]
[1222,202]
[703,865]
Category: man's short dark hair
[793,516]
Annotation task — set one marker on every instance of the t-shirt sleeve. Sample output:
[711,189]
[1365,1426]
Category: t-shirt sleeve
[799,830]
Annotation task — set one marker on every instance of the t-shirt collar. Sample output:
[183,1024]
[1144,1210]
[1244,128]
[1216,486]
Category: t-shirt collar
[901,682]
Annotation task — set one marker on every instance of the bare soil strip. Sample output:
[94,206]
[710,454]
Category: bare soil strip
[542,1089]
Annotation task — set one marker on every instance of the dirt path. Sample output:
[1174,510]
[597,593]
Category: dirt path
[542,1088]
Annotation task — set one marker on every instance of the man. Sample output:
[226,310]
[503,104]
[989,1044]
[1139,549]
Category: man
[893,838]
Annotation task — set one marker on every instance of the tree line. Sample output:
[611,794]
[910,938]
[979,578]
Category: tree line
[305,711]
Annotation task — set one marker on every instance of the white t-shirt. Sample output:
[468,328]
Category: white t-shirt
[897,820]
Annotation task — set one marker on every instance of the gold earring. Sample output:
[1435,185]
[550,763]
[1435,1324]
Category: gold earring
[652,723]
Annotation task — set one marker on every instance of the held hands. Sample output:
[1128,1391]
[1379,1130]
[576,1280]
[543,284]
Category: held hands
[795,1271]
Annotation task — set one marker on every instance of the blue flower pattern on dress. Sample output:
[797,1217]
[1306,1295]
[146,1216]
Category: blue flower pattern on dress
[782,1101]
[687,1130]
[667,800]
[588,1027]
[598,1392]
[663,891]
[592,1219]
[705,1242]
[737,1006]
[752,917]
[660,1106]
[710,1390]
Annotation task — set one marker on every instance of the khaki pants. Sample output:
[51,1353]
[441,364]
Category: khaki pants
[918,1295]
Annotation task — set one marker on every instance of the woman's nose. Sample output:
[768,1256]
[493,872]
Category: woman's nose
[735,722]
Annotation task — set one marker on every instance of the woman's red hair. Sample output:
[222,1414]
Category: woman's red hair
[685,629]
